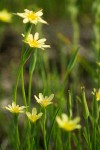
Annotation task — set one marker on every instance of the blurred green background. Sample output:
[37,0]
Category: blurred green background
[72,24]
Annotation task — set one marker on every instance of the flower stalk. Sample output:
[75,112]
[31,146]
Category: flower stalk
[44,129]
[16,133]
[32,140]
[31,70]
[23,88]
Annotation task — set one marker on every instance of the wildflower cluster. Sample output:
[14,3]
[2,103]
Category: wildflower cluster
[55,121]
[33,41]
[33,117]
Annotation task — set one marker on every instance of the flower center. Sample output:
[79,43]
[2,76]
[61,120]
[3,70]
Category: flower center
[31,16]
[34,43]
[15,110]
[44,103]
[68,126]
[33,118]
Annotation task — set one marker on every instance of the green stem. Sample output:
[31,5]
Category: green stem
[48,142]
[23,88]
[16,84]
[18,75]
[32,141]
[28,134]
[31,70]
[27,31]
[16,135]
[69,141]
[44,130]
[88,133]
[94,135]
[29,89]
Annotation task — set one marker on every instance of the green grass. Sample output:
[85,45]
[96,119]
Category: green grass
[71,80]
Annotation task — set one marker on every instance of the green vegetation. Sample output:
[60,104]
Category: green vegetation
[50,91]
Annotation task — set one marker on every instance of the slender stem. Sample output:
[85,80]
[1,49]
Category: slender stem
[16,136]
[23,88]
[31,70]
[18,75]
[16,84]
[44,130]
[28,134]
[88,133]
[69,141]
[32,141]
[29,89]
[48,141]
[27,31]
[94,135]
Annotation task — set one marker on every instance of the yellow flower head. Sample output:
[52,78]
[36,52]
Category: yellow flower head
[15,108]
[32,17]
[5,16]
[44,101]
[35,41]
[98,95]
[68,124]
[33,116]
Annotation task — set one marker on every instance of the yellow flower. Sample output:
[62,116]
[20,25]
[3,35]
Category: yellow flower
[34,116]
[68,124]
[44,101]
[15,108]
[98,95]
[35,41]
[32,17]
[5,16]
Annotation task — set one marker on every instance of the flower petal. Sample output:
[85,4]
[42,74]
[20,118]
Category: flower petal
[37,99]
[42,40]
[42,21]
[39,13]
[40,114]
[36,36]
[26,10]
[41,96]
[46,46]
[21,15]
[64,117]
[51,97]
[34,111]
[25,20]
[30,37]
